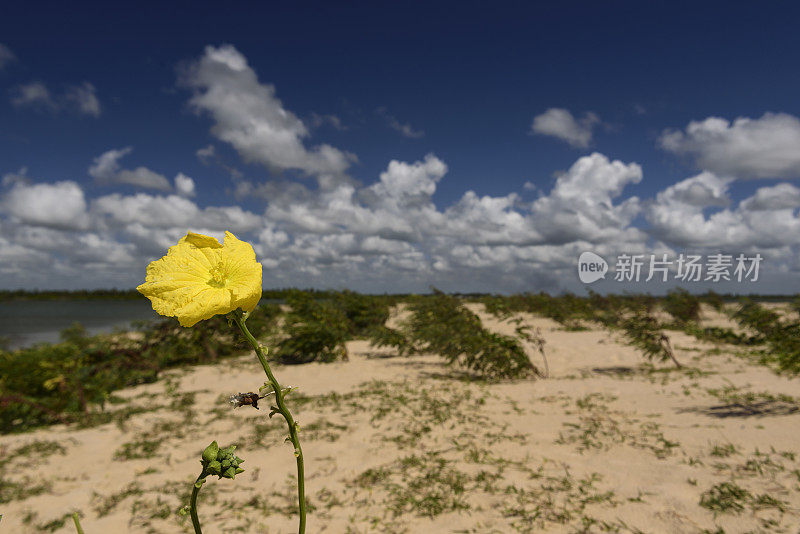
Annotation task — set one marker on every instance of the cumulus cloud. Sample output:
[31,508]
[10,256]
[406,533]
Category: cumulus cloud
[59,205]
[780,197]
[80,99]
[6,56]
[393,226]
[249,116]
[581,204]
[11,178]
[768,147]
[559,123]
[105,169]
[149,210]
[52,236]
[405,129]
[679,215]
[184,185]
[390,236]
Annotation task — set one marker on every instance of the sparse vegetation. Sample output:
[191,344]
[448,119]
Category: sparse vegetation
[314,330]
[436,442]
[643,332]
[781,334]
[440,324]
[73,380]
[682,306]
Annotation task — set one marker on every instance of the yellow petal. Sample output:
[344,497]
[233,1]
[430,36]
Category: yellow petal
[199,278]
[201,241]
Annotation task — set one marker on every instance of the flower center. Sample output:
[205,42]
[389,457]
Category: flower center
[219,277]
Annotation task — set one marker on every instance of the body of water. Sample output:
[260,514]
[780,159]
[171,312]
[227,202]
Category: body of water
[28,322]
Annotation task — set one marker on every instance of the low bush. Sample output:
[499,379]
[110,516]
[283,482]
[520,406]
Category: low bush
[682,306]
[314,330]
[642,331]
[66,381]
[782,334]
[440,324]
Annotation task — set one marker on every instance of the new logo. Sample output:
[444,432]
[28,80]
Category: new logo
[591,267]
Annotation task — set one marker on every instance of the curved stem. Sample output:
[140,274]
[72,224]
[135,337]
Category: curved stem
[284,411]
[193,506]
[77,522]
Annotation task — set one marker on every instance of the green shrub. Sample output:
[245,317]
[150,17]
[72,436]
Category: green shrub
[713,299]
[315,330]
[721,335]
[781,334]
[568,310]
[682,306]
[642,331]
[363,312]
[64,382]
[442,325]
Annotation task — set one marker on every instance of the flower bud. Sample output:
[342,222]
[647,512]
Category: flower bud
[210,452]
[221,462]
[214,468]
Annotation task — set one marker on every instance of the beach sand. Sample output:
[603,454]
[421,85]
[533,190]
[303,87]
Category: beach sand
[607,443]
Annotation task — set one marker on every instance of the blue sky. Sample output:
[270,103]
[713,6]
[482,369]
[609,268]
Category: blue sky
[520,136]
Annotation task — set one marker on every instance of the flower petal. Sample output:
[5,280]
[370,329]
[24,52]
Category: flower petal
[199,278]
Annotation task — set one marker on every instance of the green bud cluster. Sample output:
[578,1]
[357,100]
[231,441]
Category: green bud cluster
[221,462]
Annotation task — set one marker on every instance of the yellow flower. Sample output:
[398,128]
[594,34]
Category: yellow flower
[199,278]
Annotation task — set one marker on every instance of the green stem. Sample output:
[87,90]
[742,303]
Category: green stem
[284,411]
[77,521]
[193,505]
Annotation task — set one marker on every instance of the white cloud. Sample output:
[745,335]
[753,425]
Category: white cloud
[768,147]
[148,210]
[81,99]
[11,178]
[59,205]
[170,212]
[779,197]
[580,206]
[409,185]
[206,154]
[393,226]
[316,121]
[405,129]
[6,56]
[766,220]
[249,116]
[391,236]
[34,94]
[559,123]
[184,185]
[106,169]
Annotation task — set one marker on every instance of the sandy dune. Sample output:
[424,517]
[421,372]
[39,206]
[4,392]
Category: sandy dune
[393,444]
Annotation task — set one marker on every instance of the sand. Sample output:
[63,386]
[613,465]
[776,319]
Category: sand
[395,444]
